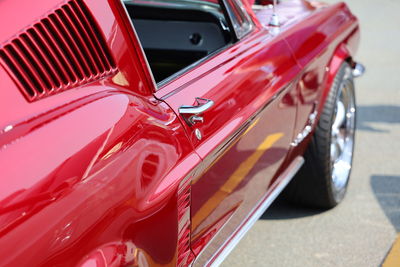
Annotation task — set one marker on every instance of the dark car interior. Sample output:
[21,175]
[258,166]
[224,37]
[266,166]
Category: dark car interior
[175,34]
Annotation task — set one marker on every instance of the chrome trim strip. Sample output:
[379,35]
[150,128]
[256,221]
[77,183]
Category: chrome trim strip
[307,130]
[257,212]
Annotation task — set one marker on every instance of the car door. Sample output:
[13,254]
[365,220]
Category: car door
[238,108]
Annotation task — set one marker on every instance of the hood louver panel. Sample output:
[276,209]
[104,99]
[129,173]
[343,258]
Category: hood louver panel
[63,50]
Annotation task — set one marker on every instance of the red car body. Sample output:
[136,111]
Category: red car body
[103,171]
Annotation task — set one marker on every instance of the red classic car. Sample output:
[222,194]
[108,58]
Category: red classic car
[156,132]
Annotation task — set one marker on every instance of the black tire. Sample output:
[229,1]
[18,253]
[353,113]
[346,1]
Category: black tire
[314,185]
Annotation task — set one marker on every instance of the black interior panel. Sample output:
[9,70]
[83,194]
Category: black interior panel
[175,36]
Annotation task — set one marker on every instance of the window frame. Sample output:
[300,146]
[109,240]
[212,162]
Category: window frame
[236,38]
[231,10]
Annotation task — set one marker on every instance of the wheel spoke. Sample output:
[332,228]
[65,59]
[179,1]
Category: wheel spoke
[334,153]
[340,116]
[342,137]
[340,141]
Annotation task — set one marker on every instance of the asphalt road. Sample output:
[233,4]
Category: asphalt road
[362,229]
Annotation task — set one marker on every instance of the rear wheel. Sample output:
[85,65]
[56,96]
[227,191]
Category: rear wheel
[323,180]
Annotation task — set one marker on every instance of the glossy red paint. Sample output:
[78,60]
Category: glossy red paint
[320,43]
[92,170]
[93,176]
[235,127]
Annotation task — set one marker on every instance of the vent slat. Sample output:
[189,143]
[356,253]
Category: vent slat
[63,50]
[23,68]
[78,31]
[18,71]
[36,62]
[29,38]
[106,56]
[71,44]
[88,39]
[59,54]
[23,58]
[94,52]
[40,37]
[94,35]
[63,45]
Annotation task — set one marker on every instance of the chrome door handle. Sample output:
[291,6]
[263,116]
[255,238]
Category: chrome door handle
[191,114]
[200,108]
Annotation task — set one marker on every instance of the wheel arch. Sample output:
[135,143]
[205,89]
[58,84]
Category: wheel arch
[344,52]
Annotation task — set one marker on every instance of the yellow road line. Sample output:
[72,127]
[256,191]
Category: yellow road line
[393,258]
[235,179]
[227,149]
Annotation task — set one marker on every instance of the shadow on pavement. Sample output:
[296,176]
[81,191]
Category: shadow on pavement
[387,191]
[282,210]
[376,114]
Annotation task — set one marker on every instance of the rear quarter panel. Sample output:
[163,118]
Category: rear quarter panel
[321,39]
[102,170]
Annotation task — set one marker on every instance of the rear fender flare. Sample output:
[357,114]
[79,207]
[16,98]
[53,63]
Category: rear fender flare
[341,54]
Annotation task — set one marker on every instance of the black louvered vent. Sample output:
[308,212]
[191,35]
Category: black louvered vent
[61,51]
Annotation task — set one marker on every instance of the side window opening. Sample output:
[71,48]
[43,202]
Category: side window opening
[176,33]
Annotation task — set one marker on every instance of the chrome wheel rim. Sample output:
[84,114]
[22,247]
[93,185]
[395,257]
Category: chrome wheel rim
[342,138]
